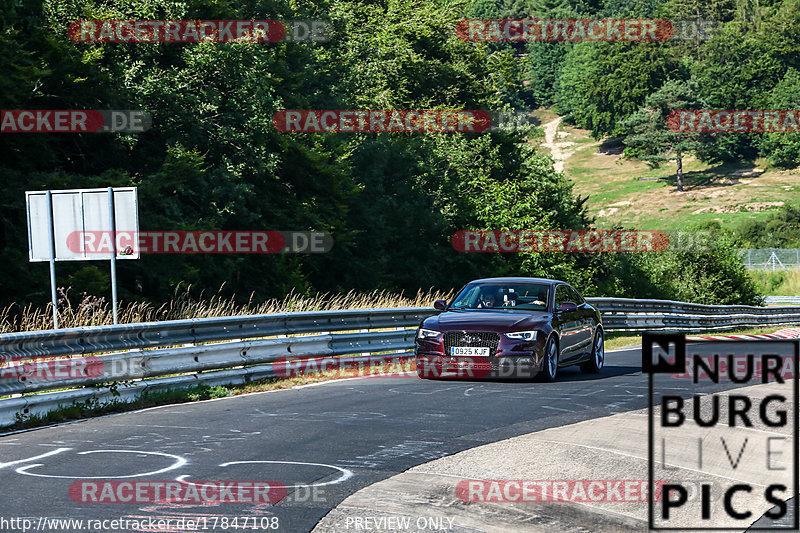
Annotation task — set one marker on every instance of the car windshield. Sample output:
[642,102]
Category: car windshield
[498,295]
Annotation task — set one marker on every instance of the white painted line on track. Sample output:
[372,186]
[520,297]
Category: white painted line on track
[179,462]
[346,474]
[42,456]
[154,426]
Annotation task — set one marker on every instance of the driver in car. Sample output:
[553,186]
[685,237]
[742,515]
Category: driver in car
[490,298]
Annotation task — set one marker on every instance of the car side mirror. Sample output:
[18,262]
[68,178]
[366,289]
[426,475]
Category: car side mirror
[441,305]
[566,306]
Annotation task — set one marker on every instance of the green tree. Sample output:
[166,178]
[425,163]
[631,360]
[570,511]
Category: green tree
[602,84]
[717,10]
[417,190]
[650,139]
[630,8]
[783,149]
[213,160]
[737,69]
[543,66]
[483,9]
[546,8]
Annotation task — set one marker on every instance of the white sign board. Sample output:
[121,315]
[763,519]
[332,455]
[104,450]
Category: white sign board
[78,216]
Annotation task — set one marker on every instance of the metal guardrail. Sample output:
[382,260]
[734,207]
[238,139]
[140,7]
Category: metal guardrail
[774,300]
[625,314]
[616,305]
[239,349]
[213,351]
[95,339]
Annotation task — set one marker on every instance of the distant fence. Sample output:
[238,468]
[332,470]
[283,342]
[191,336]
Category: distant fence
[773,259]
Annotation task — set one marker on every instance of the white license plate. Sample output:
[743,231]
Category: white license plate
[469,351]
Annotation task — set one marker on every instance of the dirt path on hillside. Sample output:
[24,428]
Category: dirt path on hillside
[558,149]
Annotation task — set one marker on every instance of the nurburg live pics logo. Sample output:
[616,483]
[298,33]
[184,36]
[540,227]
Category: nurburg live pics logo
[714,429]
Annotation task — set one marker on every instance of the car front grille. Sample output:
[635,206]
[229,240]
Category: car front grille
[477,339]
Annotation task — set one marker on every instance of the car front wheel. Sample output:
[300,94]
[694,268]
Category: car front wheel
[550,360]
[598,357]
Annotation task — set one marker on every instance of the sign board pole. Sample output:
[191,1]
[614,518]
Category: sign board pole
[113,225]
[64,225]
[51,231]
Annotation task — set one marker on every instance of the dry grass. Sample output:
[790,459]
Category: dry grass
[544,115]
[93,311]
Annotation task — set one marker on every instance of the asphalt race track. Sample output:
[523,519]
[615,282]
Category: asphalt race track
[337,436]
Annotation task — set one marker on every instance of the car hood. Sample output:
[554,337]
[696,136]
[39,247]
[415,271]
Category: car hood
[487,319]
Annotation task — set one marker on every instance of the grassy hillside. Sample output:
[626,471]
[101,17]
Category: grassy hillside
[633,195]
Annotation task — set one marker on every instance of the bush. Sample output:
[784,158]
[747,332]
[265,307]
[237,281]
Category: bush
[778,230]
[714,277]
[783,149]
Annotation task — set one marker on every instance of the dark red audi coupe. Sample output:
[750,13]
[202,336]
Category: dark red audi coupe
[510,327]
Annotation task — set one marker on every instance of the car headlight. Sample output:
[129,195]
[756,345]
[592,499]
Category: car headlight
[522,335]
[427,334]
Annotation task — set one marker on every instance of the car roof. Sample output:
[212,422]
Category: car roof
[519,279]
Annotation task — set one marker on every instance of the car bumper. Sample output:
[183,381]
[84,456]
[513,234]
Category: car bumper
[439,366]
